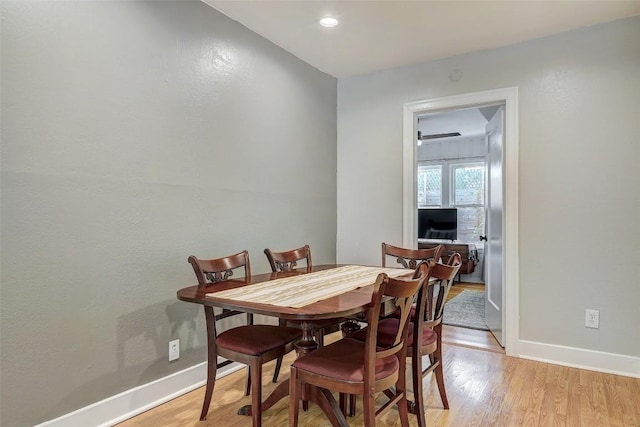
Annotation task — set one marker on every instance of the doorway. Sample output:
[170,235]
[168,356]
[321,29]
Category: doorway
[456,149]
[508,272]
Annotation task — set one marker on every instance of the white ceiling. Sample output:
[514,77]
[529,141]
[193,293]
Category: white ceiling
[468,122]
[374,35]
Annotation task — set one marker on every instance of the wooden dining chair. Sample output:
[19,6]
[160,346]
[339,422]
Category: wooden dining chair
[349,366]
[425,336]
[252,345]
[288,261]
[407,258]
[410,258]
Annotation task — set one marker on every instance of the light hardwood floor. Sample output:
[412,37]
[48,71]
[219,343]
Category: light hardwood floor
[469,337]
[485,388]
[458,287]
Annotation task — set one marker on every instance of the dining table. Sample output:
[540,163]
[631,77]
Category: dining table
[306,296]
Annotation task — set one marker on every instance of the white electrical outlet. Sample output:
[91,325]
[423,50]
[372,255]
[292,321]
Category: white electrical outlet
[174,350]
[592,319]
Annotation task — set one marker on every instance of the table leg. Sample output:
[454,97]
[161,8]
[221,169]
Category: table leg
[349,328]
[307,343]
[325,400]
[212,360]
[282,390]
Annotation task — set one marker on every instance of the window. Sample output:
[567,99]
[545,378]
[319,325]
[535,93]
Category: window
[468,197]
[430,186]
[456,184]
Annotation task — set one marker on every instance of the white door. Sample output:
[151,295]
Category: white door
[494,283]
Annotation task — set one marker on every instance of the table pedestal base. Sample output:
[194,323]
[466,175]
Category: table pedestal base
[321,397]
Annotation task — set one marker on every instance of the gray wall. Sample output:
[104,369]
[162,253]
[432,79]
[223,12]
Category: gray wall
[579,103]
[133,135]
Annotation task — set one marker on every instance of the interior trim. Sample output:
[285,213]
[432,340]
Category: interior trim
[137,400]
[600,361]
[511,265]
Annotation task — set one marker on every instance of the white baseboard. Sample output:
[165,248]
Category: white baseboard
[130,403]
[468,278]
[592,360]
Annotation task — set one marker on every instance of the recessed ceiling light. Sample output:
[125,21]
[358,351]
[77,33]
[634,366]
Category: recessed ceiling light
[328,22]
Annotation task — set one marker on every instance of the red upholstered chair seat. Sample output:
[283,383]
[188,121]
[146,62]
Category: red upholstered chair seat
[387,329]
[343,360]
[257,339]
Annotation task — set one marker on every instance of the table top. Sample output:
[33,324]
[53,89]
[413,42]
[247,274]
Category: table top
[346,304]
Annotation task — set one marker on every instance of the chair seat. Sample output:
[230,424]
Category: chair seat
[257,339]
[387,331]
[343,360]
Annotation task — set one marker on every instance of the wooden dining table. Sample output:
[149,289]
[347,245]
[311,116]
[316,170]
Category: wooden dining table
[344,304]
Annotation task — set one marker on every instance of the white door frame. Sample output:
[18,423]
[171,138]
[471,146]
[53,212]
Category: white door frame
[511,279]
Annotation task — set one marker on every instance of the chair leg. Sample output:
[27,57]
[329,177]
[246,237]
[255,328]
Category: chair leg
[352,405]
[440,381]
[369,409]
[404,411]
[401,387]
[439,371]
[212,361]
[418,393]
[247,386]
[319,336]
[211,382]
[256,393]
[276,372]
[343,404]
[294,398]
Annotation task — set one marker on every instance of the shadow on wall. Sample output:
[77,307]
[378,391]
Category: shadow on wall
[145,344]
[134,335]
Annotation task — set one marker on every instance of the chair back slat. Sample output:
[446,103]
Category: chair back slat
[212,271]
[410,258]
[216,270]
[446,275]
[432,297]
[288,260]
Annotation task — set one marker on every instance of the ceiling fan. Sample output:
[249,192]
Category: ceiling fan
[422,137]
[436,135]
